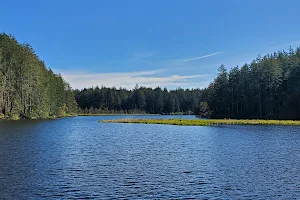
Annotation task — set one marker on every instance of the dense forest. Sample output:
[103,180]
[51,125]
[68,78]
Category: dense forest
[138,100]
[267,88]
[27,88]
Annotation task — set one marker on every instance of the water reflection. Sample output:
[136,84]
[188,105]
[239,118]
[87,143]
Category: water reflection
[81,158]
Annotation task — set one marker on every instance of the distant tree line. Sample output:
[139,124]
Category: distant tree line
[138,100]
[27,88]
[267,88]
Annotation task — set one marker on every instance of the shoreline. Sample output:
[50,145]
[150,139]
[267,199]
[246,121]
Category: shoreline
[115,114]
[141,114]
[36,118]
[205,122]
[82,115]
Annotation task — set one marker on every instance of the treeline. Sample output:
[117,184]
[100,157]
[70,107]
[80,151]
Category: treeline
[139,100]
[267,88]
[27,88]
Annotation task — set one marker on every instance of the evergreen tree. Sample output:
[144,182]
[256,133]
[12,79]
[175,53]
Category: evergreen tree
[27,88]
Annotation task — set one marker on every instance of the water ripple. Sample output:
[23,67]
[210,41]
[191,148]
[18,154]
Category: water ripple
[79,158]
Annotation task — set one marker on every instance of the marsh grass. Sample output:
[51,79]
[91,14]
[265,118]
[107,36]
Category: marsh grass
[111,114]
[205,122]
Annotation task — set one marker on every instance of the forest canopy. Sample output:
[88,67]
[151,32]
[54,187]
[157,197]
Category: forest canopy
[138,100]
[27,88]
[266,88]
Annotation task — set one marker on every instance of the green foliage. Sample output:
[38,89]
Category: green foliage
[61,111]
[12,117]
[268,88]
[27,88]
[203,107]
[139,100]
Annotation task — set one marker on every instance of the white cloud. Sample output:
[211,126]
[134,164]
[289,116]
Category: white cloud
[205,56]
[128,80]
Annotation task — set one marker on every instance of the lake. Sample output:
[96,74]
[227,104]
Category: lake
[78,157]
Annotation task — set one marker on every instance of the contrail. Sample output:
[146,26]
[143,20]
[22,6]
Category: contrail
[187,60]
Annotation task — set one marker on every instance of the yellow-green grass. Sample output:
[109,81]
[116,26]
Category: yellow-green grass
[205,122]
[102,114]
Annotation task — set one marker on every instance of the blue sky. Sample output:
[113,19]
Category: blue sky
[169,43]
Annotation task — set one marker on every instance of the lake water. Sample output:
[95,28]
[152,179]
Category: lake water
[80,158]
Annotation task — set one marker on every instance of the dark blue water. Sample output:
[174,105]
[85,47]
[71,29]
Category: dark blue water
[81,158]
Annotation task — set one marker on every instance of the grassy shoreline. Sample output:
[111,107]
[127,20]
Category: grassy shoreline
[115,114]
[131,114]
[206,122]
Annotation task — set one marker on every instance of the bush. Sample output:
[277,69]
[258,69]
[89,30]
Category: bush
[13,117]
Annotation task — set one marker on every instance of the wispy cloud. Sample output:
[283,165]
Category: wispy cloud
[128,79]
[205,56]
